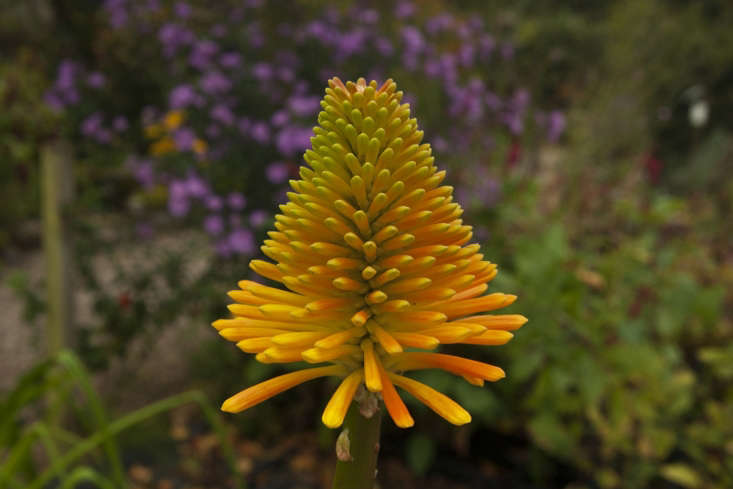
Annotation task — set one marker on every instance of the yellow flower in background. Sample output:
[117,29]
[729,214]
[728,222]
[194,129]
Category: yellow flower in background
[162,147]
[173,120]
[199,146]
[376,258]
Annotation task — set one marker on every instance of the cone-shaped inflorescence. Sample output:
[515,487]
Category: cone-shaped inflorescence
[376,258]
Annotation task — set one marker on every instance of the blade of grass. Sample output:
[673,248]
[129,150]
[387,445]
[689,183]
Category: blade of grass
[138,416]
[76,369]
[86,474]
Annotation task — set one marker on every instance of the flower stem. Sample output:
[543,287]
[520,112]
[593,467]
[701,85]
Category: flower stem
[362,442]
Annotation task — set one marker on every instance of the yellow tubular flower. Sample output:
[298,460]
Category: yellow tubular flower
[374,253]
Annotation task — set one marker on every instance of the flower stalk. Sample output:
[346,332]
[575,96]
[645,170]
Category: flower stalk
[358,449]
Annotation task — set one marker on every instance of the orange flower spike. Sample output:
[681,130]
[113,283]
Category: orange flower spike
[375,259]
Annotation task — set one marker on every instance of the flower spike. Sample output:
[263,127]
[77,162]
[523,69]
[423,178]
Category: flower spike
[374,259]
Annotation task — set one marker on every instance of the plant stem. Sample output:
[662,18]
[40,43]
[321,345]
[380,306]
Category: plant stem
[363,434]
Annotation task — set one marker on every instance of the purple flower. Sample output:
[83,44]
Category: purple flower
[280,118]
[53,100]
[117,12]
[202,54]
[181,97]
[236,201]
[213,131]
[439,23]
[384,46]
[92,125]
[486,45]
[96,79]
[214,82]
[293,139]
[404,9]
[242,241]
[304,106]
[120,123]
[230,60]
[142,171]
[184,138]
[172,36]
[244,125]
[258,218]
[213,202]
[195,186]
[262,71]
[556,123]
[222,113]
[178,203]
[182,10]
[413,39]
[369,16]
[493,101]
[277,172]
[214,224]
[260,132]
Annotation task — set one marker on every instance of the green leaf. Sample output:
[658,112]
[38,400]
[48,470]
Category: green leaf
[681,474]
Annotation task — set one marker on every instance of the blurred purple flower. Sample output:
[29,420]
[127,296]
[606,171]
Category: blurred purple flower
[439,23]
[260,132]
[213,202]
[262,71]
[369,16]
[413,39]
[219,30]
[182,10]
[384,46]
[120,123]
[196,187]
[116,11]
[172,36]
[277,173]
[182,96]
[242,241]
[178,203]
[258,218]
[486,45]
[404,9]
[142,171]
[230,60]
[222,113]
[493,101]
[214,224]
[280,118]
[53,100]
[92,125]
[213,131]
[215,82]
[236,201]
[244,125]
[556,123]
[96,79]
[304,106]
[293,139]
[202,54]
[184,138]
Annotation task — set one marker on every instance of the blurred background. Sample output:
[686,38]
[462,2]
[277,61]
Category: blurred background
[145,144]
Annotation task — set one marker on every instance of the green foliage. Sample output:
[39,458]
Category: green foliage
[54,382]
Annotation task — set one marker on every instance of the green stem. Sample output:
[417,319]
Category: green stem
[363,444]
